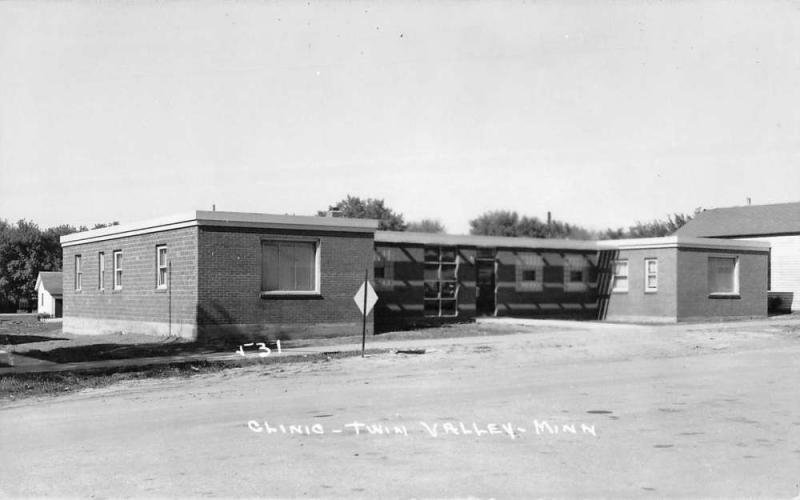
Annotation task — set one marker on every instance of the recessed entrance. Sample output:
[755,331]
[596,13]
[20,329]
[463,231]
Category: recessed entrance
[485,282]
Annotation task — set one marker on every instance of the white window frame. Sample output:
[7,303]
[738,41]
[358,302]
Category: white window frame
[440,282]
[101,271]
[648,274]
[316,291]
[162,280]
[735,292]
[117,269]
[626,275]
[78,273]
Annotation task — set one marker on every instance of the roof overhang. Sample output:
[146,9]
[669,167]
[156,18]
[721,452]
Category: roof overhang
[223,219]
[684,242]
[468,240]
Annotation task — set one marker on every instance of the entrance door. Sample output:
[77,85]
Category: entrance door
[484,284]
[59,304]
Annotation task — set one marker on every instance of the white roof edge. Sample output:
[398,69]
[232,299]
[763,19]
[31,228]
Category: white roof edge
[681,242]
[480,240]
[229,219]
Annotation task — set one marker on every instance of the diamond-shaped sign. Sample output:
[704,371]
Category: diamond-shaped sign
[372,297]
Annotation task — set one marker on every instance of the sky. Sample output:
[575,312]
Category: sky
[601,112]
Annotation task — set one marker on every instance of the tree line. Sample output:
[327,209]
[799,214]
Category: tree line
[26,249]
[506,223]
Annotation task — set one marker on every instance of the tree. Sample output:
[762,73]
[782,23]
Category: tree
[426,226]
[655,228]
[495,223]
[355,207]
[508,223]
[26,250]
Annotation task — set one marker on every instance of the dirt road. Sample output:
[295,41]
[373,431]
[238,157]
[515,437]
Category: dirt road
[666,411]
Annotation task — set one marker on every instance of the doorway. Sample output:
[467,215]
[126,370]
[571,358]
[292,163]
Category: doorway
[485,285]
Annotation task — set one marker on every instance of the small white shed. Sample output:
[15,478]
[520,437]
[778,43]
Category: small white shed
[49,290]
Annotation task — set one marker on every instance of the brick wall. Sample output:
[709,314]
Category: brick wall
[694,301]
[138,307]
[230,302]
[638,305]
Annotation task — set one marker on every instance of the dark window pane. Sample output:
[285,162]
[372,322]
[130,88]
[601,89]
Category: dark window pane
[721,275]
[431,308]
[529,275]
[448,308]
[431,289]
[448,272]
[431,272]
[576,276]
[288,266]
[448,254]
[380,272]
[431,254]
[448,290]
[269,267]
[304,266]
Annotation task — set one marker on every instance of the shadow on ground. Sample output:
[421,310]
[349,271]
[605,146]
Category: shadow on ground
[25,339]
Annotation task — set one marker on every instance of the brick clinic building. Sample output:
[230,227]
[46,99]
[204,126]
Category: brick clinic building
[679,278]
[778,225]
[209,274]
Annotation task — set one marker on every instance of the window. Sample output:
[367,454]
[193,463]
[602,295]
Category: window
[441,286]
[620,276]
[651,275]
[576,272]
[101,271]
[723,275]
[117,269]
[289,267]
[529,272]
[78,272]
[161,266]
[384,268]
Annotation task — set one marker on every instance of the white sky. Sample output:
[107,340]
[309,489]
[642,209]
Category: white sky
[603,112]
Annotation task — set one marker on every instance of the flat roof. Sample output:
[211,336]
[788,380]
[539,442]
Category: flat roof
[683,242]
[400,237]
[480,241]
[222,219]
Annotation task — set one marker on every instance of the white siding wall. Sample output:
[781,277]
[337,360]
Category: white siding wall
[47,305]
[785,274]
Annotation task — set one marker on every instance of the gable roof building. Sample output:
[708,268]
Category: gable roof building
[746,221]
[49,292]
[50,281]
[777,224]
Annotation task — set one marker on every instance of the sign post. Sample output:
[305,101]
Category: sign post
[365,299]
